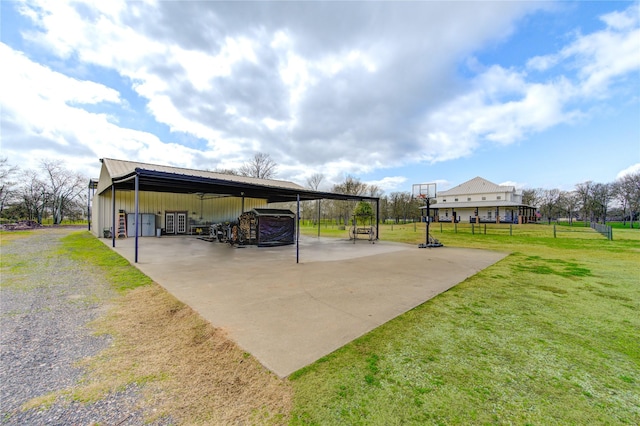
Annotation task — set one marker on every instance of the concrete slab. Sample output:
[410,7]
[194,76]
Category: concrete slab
[289,315]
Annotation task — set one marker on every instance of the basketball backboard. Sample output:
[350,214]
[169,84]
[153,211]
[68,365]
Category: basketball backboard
[423,190]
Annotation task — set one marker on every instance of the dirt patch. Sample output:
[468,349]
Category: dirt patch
[189,370]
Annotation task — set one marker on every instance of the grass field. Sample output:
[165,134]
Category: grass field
[549,335]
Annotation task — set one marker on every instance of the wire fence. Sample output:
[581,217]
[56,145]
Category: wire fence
[526,230]
[605,230]
[579,230]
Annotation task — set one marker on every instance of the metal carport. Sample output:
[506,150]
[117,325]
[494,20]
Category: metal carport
[147,179]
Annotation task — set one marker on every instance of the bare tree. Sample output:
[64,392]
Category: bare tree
[374,190]
[570,201]
[261,166]
[227,172]
[602,195]
[531,197]
[315,180]
[33,195]
[350,186]
[584,192]
[64,187]
[549,202]
[7,182]
[397,200]
[627,191]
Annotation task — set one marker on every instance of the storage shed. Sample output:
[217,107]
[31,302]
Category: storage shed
[269,227]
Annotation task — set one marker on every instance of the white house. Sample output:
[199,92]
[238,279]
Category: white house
[481,201]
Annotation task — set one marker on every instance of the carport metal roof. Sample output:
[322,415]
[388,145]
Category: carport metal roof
[186,181]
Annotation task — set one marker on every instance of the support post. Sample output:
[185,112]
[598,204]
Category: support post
[318,201]
[298,230]
[428,205]
[137,209]
[378,219]
[113,215]
[89,208]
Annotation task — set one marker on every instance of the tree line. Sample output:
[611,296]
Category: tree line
[53,191]
[590,201]
[397,206]
[49,192]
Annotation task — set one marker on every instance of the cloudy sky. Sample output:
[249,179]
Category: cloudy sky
[538,94]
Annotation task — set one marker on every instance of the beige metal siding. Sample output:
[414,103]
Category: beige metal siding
[212,210]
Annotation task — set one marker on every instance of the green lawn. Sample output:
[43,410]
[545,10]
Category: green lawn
[549,335]
[87,249]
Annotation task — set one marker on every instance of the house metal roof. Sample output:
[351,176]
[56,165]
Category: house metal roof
[476,185]
[153,177]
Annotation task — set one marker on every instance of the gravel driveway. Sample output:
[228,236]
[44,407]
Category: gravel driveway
[46,301]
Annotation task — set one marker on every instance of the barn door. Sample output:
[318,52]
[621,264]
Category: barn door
[170,223]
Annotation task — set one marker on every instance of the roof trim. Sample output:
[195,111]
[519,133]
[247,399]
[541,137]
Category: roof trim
[478,204]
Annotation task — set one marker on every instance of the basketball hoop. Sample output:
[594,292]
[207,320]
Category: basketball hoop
[426,192]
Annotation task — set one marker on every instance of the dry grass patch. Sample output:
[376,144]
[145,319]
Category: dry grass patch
[190,370]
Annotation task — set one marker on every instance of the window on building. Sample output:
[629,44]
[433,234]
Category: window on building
[499,197]
[456,199]
[444,200]
[484,198]
[489,214]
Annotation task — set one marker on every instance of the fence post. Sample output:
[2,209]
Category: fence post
[455,227]
[473,231]
[554,230]
[611,233]
[485,229]
[510,230]
[441,227]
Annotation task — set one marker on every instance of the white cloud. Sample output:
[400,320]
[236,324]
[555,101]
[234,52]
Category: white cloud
[629,171]
[516,185]
[373,86]
[20,77]
[191,87]
[43,118]
[389,183]
[602,57]
[506,105]
[501,107]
